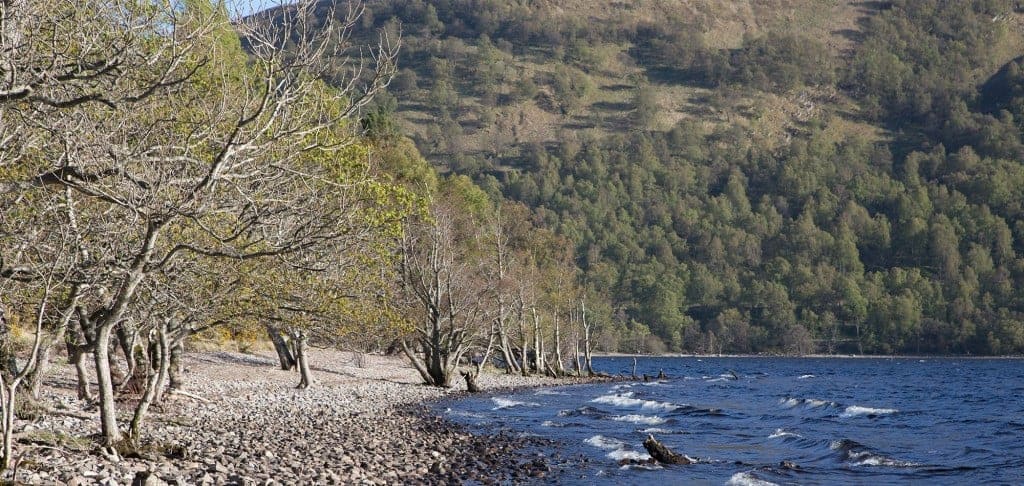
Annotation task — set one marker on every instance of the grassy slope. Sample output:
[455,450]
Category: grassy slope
[609,106]
[773,118]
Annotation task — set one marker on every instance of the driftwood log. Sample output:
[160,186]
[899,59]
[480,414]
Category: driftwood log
[471,385]
[659,452]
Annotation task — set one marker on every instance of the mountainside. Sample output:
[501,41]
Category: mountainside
[737,176]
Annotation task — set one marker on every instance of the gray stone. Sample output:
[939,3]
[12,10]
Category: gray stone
[146,478]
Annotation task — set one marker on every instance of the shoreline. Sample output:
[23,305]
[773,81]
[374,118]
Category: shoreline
[370,425]
[808,356]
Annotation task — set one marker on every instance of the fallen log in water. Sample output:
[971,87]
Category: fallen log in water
[659,452]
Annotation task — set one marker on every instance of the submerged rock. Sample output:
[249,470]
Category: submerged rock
[661,453]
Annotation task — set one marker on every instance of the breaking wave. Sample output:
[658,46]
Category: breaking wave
[857,454]
[747,479]
[640,419]
[602,442]
[500,403]
[627,401]
[779,433]
[857,410]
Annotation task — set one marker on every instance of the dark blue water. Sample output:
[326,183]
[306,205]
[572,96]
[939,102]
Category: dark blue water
[841,421]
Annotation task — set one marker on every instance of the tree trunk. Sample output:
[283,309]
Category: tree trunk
[538,343]
[284,355]
[487,354]
[471,385]
[84,343]
[153,384]
[35,379]
[417,363]
[524,363]
[305,377]
[108,413]
[506,350]
[559,367]
[126,339]
[586,339]
[163,367]
[10,395]
[78,355]
[576,355]
[175,367]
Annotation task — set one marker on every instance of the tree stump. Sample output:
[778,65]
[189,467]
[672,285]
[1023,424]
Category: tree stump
[471,385]
[659,452]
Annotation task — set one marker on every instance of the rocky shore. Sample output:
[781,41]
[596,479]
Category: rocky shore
[245,423]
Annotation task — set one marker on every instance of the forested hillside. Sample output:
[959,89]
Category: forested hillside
[745,176]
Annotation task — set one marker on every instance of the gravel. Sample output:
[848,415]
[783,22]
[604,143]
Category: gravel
[355,425]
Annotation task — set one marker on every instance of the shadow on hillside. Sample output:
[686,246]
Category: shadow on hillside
[612,105]
[619,87]
[851,35]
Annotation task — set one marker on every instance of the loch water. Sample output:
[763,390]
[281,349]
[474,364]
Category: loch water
[840,421]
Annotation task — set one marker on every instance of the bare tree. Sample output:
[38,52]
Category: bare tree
[446,292]
[40,294]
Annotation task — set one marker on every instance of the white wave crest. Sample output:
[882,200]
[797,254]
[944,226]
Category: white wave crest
[656,430]
[717,380]
[869,459]
[644,466]
[629,401]
[815,403]
[602,442]
[747,479]
[779,433]
[804,377]
[545,391]
[500,403]
[809,402]
[856,410]
[620,454]
[640,419]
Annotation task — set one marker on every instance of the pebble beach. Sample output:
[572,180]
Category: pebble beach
[243,422]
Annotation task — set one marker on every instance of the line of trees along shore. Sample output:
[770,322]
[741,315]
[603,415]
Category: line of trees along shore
[167,173]
[158,181]
[887,219]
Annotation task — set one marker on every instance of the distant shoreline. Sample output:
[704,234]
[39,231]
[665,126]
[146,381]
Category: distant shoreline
[808,356]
